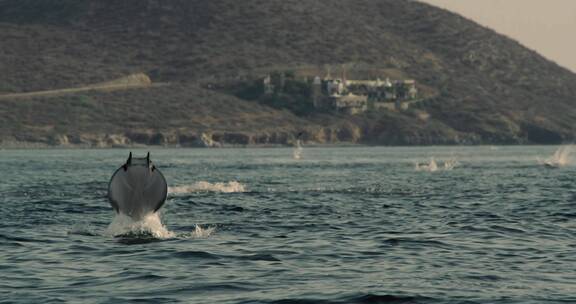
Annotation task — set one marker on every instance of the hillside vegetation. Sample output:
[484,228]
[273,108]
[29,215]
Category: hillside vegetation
[487,87]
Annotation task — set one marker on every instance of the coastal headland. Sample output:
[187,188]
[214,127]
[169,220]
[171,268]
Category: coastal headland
[86,73]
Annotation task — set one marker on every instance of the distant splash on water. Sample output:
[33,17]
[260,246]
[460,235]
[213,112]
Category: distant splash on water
[451,163]
[560,158]
[203,186]
[297,153]
[432,165]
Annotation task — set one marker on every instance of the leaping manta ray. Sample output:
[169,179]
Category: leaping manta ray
[137,188]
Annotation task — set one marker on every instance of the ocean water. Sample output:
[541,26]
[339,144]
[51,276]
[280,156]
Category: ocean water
[338,225]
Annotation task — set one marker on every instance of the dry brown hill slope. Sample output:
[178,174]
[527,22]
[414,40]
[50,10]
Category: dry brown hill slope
[491,89]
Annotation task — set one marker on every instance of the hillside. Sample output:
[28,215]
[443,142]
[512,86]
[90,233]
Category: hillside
[488,88]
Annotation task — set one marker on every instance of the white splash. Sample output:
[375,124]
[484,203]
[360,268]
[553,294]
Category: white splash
[560,158]
[297,153]
[202,186]
[201,233]
[450,164]
[432,165]
[149,225]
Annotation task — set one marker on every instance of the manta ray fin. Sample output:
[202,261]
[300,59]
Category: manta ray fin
[128,162]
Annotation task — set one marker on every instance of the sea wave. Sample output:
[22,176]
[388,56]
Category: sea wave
[361,299]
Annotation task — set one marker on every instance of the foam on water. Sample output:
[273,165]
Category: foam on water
[203,186]
[149,225]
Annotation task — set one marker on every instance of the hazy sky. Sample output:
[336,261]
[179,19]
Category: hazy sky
[547,26]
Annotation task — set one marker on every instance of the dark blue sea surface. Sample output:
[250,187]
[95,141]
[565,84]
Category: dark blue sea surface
[339,225]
